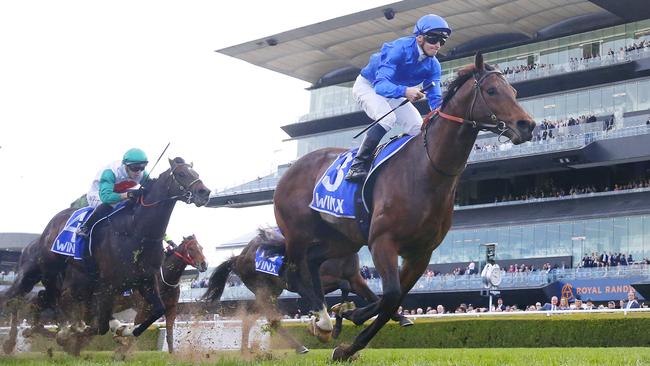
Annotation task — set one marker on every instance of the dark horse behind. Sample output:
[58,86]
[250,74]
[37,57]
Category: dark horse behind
[127,252]
[412,199]
[338,273]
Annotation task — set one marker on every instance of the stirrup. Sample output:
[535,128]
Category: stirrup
[356,174]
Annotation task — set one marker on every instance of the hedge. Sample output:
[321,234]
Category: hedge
[583,330]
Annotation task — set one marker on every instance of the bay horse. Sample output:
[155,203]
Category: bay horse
[412,199]
[127,251]
[336,273]
[188,252]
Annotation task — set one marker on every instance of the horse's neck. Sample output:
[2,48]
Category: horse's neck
[151,221]
[173,268]
[449,143]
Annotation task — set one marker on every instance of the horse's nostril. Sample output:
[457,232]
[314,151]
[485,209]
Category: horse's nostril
[204,192]
[524,125]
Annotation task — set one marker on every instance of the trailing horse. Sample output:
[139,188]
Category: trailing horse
[127,251]
[188,252]
[412,199]
[340,273]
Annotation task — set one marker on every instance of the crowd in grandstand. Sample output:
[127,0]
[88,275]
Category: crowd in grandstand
[553,191]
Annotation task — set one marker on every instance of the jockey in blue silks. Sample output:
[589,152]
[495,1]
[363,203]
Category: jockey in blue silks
[394,74]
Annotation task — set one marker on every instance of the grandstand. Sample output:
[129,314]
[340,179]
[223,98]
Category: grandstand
[577,195]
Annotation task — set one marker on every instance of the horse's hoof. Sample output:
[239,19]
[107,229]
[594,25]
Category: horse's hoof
[322,335]
[405,322]
[342,353]
[302,350]
[8,347]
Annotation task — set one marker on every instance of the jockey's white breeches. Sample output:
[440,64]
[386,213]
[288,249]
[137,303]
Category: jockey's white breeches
[376,106]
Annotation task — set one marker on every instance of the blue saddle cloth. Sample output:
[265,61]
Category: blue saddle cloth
[67,242]
[269,264]
[334,195]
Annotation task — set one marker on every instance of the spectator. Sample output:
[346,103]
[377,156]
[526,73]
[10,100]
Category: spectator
[564,304]
[631,303]
[499,306]
[552,306]
[611,305]
[440,309]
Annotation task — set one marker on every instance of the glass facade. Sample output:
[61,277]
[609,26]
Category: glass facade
[590,49]
[626,234]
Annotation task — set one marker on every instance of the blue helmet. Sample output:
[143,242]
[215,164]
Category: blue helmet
[431,22]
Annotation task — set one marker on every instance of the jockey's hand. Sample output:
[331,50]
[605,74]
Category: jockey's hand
[134,195]
[413,94]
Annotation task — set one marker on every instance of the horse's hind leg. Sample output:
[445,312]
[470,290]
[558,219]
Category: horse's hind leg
[338,324]
[9,345]
[275,322]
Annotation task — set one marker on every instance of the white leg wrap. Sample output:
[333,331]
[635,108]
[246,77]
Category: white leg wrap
[114,324]
[324,322]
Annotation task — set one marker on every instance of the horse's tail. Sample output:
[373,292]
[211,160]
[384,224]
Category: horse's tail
[218,280]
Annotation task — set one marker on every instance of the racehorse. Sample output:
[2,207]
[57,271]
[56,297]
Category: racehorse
[412,199]
[126,249]
[188,252]
[338,273]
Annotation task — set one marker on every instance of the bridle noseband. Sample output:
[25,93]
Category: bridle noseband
[187,194]
[493,125]
[185,257]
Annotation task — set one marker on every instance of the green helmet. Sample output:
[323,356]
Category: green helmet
[134,156]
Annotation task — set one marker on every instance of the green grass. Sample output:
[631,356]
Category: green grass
[397,357]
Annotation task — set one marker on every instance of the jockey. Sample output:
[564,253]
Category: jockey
[111,186]
[393,74]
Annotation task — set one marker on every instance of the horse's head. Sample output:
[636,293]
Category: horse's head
[185,183]
[192,253]
[492,102]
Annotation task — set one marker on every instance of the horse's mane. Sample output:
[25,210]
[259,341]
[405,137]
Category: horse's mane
[463,75]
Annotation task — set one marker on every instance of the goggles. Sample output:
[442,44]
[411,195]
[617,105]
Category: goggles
[136,167]
[433,38]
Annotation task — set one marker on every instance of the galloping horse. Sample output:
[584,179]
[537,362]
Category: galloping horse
[127,251]
[338,273]
[188,252]
[412,198]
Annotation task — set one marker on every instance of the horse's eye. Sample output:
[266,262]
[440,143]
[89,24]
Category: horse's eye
[181,174]
[492,91]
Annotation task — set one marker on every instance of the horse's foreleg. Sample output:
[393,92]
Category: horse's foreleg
[149,292]
[384,256]
[338,323]
[170,317]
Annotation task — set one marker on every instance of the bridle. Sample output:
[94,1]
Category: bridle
[187,194]
[185,257]
[495,124]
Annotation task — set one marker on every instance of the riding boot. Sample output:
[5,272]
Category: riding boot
[99,212]
[359,168]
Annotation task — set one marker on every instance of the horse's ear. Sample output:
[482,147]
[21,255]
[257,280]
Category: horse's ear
[478,61]
[192,165]
[172,163]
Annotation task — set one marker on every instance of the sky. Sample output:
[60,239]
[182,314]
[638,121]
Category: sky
[83,81]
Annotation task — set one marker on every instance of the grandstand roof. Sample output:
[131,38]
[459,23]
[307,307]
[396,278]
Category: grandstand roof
[16,241]
[332,51]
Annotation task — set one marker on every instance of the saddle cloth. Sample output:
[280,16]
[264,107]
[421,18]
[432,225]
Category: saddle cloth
[334,195]
[67,242]
[269,263]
